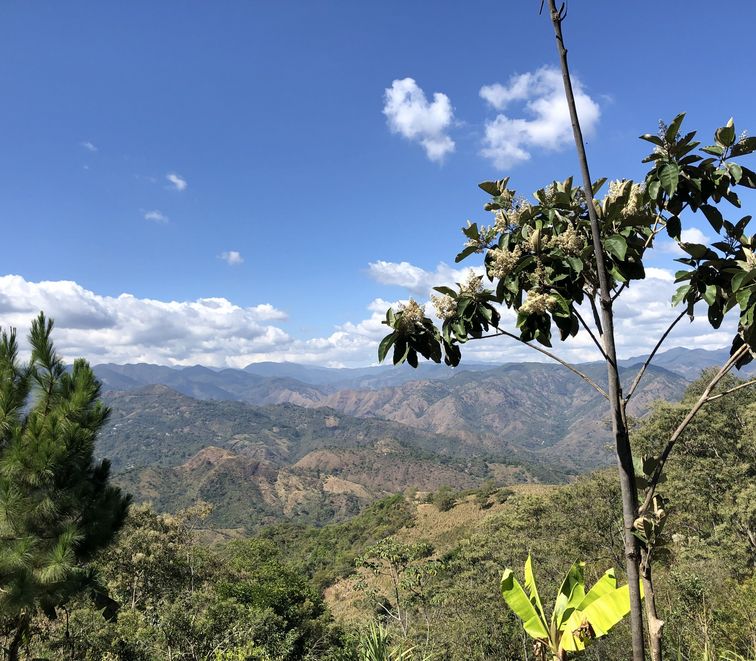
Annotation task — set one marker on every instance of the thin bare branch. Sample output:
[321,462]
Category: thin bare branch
[596,316]
[590,332]
[643,369]
[616,294]
[653,481]
[554,357]
[727,392]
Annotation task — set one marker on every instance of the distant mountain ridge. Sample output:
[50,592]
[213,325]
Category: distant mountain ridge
[315,444]
[257,381]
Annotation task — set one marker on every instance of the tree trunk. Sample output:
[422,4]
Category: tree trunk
[22,625]
[655,625]
[619,426]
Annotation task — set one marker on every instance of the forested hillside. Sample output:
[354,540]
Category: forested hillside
[300,592]
[516,423]
[258,464]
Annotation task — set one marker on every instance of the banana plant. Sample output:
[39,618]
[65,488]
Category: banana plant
[577,617]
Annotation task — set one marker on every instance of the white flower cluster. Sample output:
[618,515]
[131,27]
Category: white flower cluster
[538,303]
[412,314]
[634,204]
[445,306]
[503,261]
[472,284]
[549,194]
[505,220]
[569,241]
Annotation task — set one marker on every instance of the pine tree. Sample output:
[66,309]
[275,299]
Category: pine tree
[57,508]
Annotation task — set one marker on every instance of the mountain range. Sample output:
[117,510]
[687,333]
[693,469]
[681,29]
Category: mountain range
[316,444]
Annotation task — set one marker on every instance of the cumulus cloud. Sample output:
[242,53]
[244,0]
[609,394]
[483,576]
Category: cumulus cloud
[155,216]
[409,114]
[232,257]
[90,147]
[414,279]
[219,333]
[690,235]
[177,181]
[510,140]
[209,331]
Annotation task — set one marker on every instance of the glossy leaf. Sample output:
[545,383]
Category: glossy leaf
[521,605]
[616,245]
[669,176]
[571,593]
[530,585]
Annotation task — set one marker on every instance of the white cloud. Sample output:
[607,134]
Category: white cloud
[210,331]
[232,257]
[156,216]
[690,235]
[179,183]
[693,235]
[416,280]
[89,146]
[411,115]
[509,140]
[219,333]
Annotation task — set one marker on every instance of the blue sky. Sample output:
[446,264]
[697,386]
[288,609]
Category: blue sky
[269,119]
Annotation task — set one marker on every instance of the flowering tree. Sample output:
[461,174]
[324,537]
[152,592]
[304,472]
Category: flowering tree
[562,260]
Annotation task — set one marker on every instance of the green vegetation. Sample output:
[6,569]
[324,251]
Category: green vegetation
[375,584]
[577,616]
[57,509]
[547,260]
[328,553]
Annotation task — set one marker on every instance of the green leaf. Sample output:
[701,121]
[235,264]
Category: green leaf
[616,245]
[576,264]
[650,462]
[725,136]
[744,146]
[748,177]
[471,231]
[571,593]
[674,128]
[608,610]
[604,585]
[446,290]
[674,227]
[698,251]
[710,295]
[653,188]
[385,345]
[465,253]
[490,187]
[736,172]
[597,185]
[680,294]
[714,150]
[713,215]
[530,585]
[653,139]
[669,175]
[521,605]
[742,278]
